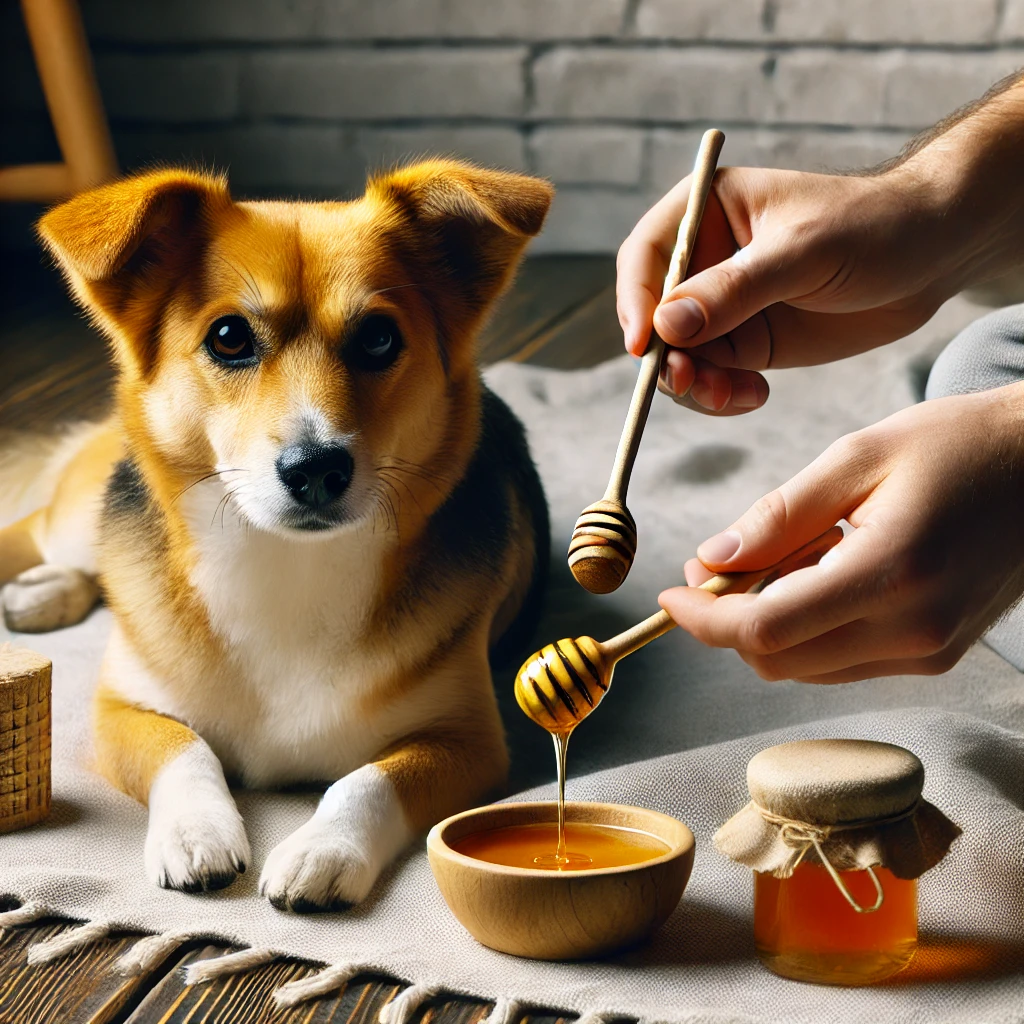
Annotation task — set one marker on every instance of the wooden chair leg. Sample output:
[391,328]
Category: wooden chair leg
[65,69]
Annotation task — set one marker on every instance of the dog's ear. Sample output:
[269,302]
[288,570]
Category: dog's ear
[123,246]
[470,225]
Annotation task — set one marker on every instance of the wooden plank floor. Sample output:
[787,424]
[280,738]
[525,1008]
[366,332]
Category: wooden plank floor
[53,370]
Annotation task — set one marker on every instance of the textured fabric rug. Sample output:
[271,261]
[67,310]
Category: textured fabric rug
[674,734]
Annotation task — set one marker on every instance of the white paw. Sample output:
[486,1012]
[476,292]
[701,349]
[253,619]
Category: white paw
[196,840]
[48,597]
[317,868]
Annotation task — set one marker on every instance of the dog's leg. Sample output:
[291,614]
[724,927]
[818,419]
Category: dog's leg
[40,597]
[48,597]
[47,559]
[196,840]
[367,818]
[19,549]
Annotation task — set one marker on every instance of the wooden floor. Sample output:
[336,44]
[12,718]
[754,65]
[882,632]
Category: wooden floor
[53,369]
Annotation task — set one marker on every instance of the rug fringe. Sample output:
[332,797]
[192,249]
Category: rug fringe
[68,942]
[231,963]
[25,914]
[151,950]
[505,1011]
[328,980]
[406,1003]
[596,1017]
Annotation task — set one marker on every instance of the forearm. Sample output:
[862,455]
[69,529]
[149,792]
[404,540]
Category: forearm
[967,173]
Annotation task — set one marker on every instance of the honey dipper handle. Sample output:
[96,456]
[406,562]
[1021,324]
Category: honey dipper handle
[650,365]
[637,636]
[727,583]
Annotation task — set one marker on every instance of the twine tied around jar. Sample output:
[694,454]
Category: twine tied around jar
[802,836]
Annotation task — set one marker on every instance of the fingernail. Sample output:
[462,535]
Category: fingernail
[744,396]
[682,318]
[703,395]
[676,381]
[719,548]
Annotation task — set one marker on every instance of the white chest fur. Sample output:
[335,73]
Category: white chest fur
[291,614]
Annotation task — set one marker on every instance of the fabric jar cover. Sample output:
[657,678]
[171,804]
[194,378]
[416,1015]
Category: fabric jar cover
[856,802]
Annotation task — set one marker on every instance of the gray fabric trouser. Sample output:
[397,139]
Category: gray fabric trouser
[988,354]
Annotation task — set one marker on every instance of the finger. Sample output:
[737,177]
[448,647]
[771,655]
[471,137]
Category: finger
[747,347]
[709,389]
[845,586]
[637,293]
[641,265]
[717,300]
[696,572]
[842,649]
[805,506]
[644,256]
[678,372]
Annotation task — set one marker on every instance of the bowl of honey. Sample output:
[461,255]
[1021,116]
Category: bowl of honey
[614,877]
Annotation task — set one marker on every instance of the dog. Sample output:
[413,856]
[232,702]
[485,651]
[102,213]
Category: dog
[310,518]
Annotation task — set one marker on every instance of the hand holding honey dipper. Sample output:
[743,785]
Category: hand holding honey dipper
[565,681]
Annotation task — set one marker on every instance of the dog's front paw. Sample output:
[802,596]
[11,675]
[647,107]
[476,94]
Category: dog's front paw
[316,868]
[195,843]
[48,597]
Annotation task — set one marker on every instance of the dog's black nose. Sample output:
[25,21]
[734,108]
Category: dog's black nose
[315,474]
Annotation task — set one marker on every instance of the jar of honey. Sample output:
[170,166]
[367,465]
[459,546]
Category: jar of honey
[837,833]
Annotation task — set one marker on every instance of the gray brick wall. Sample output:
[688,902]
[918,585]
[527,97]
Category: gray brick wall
[605,97]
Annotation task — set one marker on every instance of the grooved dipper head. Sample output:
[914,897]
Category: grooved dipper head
[562,683]
[602,547]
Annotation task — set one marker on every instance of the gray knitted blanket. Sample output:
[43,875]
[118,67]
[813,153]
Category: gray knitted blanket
[674,734]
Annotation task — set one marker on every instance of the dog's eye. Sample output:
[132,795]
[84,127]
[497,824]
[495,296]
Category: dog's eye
[376,343]
[230,340]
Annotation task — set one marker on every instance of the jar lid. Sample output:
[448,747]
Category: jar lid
[834,782]
[850,804]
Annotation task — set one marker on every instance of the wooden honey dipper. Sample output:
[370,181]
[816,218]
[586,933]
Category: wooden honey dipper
[603,543]
[564,681]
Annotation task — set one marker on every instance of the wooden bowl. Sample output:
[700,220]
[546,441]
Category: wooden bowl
[560,915]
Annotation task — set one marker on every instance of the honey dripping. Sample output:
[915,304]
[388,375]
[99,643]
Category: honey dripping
[562,858]
[561,845]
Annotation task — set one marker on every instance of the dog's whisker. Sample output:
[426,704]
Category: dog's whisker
[222,505]
[379,508]
[205,477]
[411,492]
[390,495]
[411,469]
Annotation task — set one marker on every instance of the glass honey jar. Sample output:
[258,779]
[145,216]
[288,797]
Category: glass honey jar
[837,833]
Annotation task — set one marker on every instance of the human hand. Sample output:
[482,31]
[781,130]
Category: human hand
[935,494]
[789,269]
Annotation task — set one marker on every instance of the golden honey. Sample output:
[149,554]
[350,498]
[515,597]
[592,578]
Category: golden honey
[805,929]
[587,846]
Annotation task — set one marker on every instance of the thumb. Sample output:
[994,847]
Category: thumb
[801,509]
[717,300]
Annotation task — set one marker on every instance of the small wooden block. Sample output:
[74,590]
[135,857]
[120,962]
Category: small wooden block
[24,738]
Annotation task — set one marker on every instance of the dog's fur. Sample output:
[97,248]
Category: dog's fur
[254,638]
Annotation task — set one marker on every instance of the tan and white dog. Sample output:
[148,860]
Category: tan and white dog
[310,518]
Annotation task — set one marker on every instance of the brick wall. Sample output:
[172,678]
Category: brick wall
[605,97]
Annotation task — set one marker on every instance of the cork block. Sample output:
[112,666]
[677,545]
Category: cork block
[24,738]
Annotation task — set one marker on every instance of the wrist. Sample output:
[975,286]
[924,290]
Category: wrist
[966,193]
[917,230]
